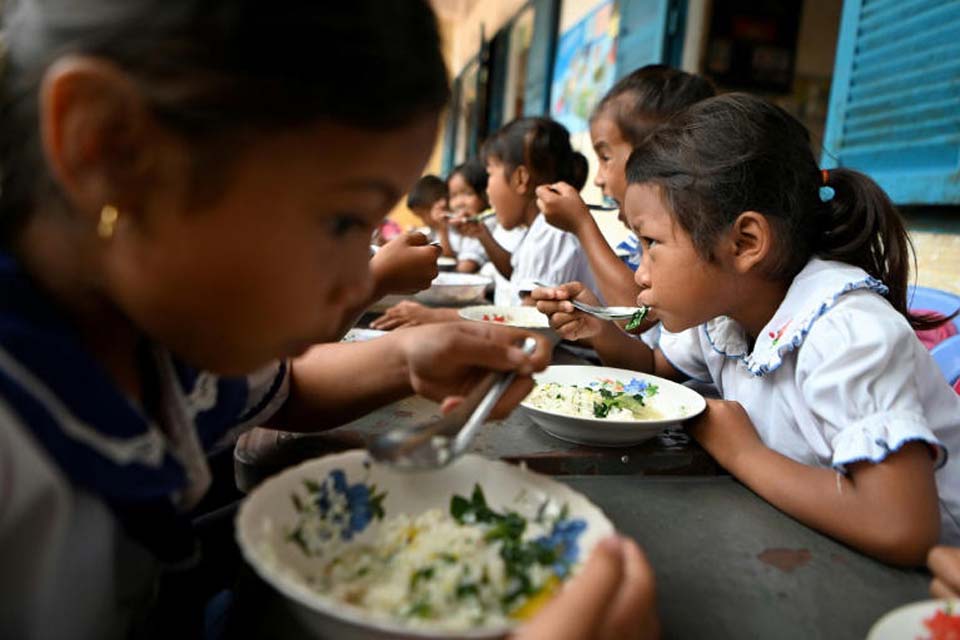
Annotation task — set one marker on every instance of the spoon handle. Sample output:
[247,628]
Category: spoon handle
[500,383]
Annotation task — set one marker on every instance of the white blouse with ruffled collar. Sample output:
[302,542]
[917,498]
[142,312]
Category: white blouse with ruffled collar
[837,376]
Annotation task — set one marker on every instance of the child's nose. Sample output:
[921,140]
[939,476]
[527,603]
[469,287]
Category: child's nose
[642,275]
[599,180]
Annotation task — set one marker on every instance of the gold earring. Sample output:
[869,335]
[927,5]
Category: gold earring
[108,221]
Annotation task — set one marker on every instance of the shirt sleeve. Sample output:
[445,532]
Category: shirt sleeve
[684,351]
[472,249]
[857,372]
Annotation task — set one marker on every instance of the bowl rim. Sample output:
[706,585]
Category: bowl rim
[695,397]
[346,613]
[468,280]
[494,308]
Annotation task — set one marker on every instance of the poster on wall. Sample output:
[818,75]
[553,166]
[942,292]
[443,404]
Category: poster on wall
[584,67]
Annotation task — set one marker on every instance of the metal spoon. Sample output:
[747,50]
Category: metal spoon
[436,444]
[476,218]
[634,314]
[591,206]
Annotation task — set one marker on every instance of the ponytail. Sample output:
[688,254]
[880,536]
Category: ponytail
[862,227]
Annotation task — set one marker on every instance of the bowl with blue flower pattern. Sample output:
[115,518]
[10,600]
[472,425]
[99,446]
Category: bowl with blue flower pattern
[607,407]
[360,550]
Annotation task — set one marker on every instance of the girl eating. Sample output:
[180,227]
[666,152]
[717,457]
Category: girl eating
[785,286]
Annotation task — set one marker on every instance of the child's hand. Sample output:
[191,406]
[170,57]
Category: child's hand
[445,361]
[725,430]
[404,314]
[406,264]
[944,564]
[562,206]
[564,319]
[612,598]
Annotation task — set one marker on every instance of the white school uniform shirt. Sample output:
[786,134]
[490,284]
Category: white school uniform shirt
[837,376]
[509,240]
[548,255]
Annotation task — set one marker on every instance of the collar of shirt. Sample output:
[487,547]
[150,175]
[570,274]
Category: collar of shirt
[813,292]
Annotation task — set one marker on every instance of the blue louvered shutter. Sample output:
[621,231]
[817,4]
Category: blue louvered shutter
[450,140]
[650,32]
[546,17]
[895,100]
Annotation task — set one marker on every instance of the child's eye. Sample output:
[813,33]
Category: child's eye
[647,242]
[343,224]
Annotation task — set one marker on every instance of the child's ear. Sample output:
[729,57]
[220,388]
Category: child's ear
[520,180]
[751,240]
[96,135]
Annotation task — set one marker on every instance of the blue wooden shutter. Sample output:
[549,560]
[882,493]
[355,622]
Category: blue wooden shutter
[651,32]
[450,141]
[895,100]
[497,80]
[546,17]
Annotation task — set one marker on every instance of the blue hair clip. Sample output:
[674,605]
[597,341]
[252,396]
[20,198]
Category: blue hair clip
[826,194]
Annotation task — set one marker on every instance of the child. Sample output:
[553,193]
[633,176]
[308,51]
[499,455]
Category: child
[177,230]
[428,201]
[485,246]
[628,112]
[522,156]
[785,286]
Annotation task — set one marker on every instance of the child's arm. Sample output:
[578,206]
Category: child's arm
[615,347]
[499,256]
[562,207]
[887,509]
[335,383]
[411,314]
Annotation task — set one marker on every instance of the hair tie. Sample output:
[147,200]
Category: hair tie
[826,192]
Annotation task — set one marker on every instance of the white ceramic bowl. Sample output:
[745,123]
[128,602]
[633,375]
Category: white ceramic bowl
[523,317]
[446,263]
[454,289]
[674,401]
[907,621]
[268,513]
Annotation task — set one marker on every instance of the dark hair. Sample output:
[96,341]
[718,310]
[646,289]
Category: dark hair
[213,69]
[426,191]
[648,96]
[474,173]
[737,153]
[542,146]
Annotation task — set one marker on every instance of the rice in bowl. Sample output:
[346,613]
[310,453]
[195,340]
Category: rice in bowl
[363,551]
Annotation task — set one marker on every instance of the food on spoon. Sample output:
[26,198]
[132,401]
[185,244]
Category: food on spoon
[637,318]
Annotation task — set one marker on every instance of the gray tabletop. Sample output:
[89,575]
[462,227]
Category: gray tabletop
[729,565]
